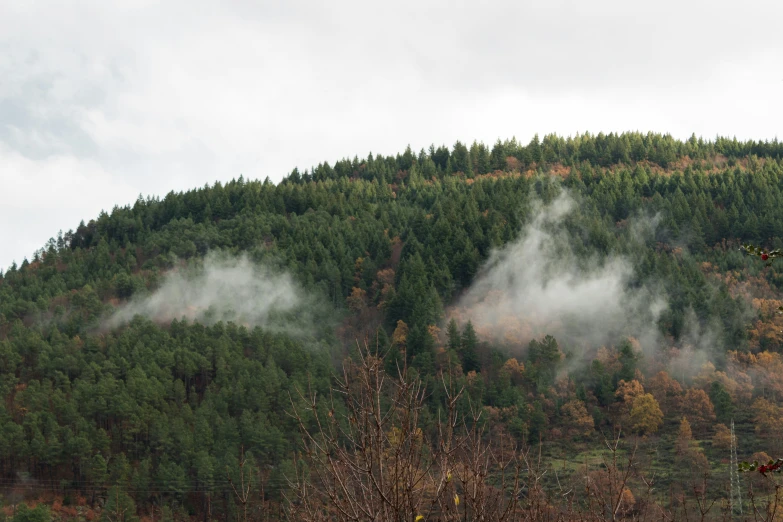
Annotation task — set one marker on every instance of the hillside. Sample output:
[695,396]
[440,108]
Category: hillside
[573,286]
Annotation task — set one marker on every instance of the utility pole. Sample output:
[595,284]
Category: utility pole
[736,495]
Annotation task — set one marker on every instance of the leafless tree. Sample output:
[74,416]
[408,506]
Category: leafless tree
[766,508]
[367,457]
[367,454]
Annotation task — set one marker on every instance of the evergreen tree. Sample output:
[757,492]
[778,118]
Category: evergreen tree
[460,159]
[454,340]
[469,348]
[629,360]
[497,158]
[721,400]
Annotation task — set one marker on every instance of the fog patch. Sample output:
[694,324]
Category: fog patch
[225,289]
[543,284]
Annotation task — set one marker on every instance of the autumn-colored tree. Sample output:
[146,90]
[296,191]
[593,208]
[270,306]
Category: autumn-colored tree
[722,437]
[627,391]
[769,368]
[698,407]
[737,379]
[434,332]
[608,358]
[705,375]
[690,460]
[357,301]
[173,400]
[396,357]
[625,394]
[739,385]
[667,391]
[385,276]
[514,369]
[357,269]
[767,330]
[646,414]
[767,419]
[385,279]
[684,436]
[627,502]
[400,335]
[576,419]
[695,462]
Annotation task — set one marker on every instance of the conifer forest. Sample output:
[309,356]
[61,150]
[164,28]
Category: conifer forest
[565,329]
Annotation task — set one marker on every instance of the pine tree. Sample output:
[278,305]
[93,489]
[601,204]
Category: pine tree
[721,400]
[498,157]
[460,159]
[628,360]
[483,163]
[534,149]
[454,341]
[469,349]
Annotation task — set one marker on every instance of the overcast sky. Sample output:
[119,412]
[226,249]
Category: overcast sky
[103,101]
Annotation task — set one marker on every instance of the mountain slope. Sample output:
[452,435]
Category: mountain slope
[390,249]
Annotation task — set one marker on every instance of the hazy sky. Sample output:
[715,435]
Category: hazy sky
[102,101]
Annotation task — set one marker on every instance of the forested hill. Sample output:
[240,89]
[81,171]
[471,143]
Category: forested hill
[150,412]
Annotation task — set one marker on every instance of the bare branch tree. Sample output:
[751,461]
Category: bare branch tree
[368,458]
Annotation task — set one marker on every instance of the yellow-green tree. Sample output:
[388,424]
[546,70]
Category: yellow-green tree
[646,414]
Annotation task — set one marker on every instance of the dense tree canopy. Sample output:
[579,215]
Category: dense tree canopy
[162,410]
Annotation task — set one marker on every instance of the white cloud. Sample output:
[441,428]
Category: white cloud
[226,289]
[40,197]
[162,96]
[539,285]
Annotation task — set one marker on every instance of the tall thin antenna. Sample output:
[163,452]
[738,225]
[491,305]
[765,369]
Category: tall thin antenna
[736,495]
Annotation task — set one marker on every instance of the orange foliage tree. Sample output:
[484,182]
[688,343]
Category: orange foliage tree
[576,418]
[699,409]
[667,391]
